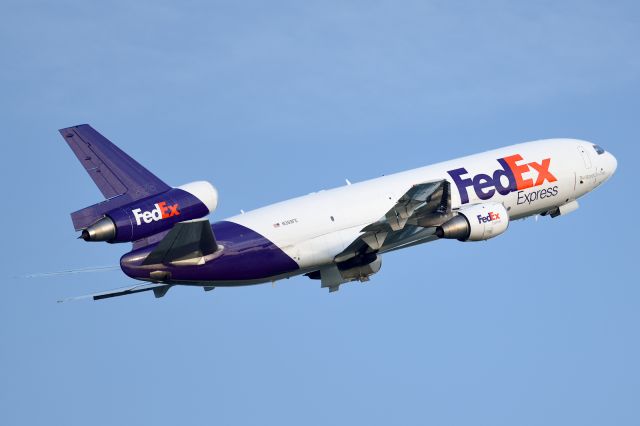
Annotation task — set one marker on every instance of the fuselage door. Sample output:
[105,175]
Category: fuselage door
[585,156]
[587,176]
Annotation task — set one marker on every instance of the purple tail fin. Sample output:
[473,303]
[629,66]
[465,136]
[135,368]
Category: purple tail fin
[120,178]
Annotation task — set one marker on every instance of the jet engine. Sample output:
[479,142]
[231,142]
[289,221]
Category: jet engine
[157,213]
[475,223]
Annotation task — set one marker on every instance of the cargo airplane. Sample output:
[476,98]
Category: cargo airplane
[334,236]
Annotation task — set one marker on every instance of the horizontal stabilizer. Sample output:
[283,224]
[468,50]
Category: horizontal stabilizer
[188,243]
[159,290]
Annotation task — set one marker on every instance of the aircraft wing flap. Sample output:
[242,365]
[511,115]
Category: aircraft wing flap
[421,200]
[410,202]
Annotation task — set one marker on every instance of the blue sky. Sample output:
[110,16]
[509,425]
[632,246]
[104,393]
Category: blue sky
[270,100]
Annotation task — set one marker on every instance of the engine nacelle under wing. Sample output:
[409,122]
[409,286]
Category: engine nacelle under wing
[476,223]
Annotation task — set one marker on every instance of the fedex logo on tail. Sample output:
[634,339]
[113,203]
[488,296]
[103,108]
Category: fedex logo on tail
[162,211]
[513,171]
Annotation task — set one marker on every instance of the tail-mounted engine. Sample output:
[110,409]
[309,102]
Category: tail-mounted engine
[476,223]
[154,214]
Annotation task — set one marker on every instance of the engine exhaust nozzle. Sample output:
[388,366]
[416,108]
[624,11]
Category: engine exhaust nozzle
[456,228]
[102,230]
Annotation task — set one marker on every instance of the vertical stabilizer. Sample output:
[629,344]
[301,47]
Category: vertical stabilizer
[120,178]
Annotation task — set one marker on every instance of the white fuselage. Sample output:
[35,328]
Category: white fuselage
[314,228]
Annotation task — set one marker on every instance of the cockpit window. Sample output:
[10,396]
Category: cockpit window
[598,149]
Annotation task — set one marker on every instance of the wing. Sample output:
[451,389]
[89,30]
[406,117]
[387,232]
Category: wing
[411,220]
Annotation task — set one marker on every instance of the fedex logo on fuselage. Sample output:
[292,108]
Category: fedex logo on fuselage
[513,170]
[162,211]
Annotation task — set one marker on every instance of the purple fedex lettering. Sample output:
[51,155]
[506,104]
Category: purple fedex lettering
[462,184]
[511,179]
[485,186]
[482,182]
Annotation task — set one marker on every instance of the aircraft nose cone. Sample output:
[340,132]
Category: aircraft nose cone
[614,164]
[610,164]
